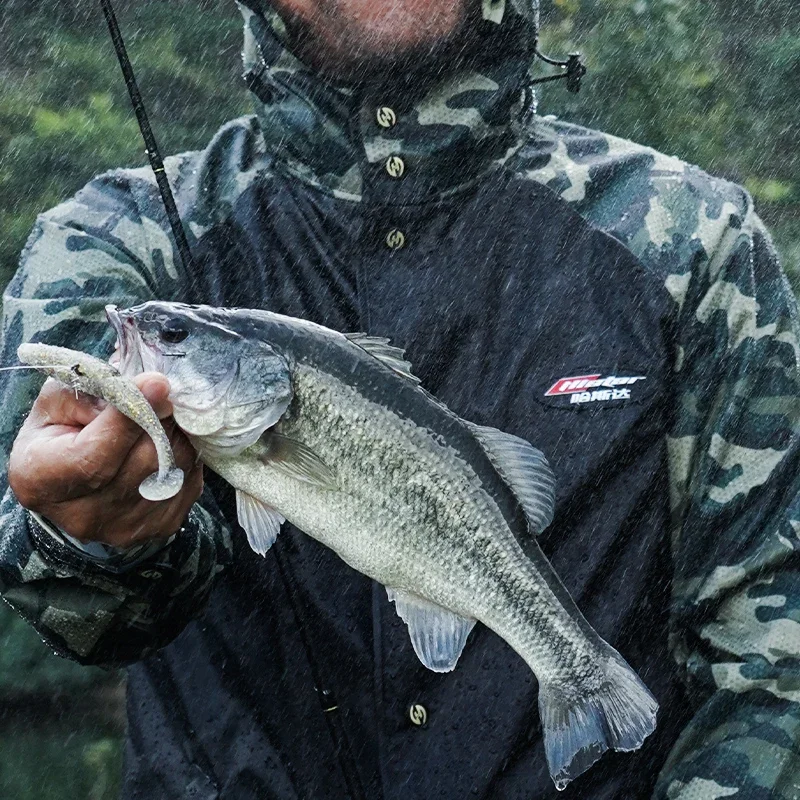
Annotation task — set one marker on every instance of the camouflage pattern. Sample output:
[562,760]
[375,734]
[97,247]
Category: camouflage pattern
[445,127]
[734,442]
[80,256]
[733,447]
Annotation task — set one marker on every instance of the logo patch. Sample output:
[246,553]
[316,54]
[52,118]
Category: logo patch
[595,388]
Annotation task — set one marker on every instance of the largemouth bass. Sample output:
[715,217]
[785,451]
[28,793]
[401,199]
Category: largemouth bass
[85,373]
[334,433]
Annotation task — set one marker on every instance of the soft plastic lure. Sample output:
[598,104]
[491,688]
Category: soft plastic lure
[85,373]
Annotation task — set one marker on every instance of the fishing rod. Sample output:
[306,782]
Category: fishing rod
[151,146]
[334,722]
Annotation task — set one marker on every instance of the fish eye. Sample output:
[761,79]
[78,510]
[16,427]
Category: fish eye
[172,332]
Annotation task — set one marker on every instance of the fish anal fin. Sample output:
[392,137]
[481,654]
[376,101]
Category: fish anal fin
[261,522]
[297,460]
[524,469]
[392,357]
[437,635]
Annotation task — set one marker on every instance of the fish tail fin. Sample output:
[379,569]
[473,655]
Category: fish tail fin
[580,725]
[162,487]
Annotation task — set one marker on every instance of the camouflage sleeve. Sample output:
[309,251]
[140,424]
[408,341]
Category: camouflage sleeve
[93,250]
[734,452]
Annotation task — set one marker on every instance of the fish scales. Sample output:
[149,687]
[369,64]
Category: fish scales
[432,523]
[333,433]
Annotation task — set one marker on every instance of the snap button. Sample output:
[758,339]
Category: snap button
[395,239]
[386,117]
[418,714]
[395,166]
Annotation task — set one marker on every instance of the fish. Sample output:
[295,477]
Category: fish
[85,373]
[334,433]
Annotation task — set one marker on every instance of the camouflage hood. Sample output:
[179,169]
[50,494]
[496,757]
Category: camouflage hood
[404,139]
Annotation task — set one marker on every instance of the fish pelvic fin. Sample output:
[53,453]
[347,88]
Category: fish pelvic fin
[437,635]
[260,522]
[580,726]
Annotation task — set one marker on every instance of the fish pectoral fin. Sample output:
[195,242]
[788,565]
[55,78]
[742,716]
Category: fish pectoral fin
[296,460]
[261,522]
[437,635]
[524,469]
[379,347]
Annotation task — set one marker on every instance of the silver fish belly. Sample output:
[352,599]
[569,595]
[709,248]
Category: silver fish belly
[92,376]
[332,432]
[409,512]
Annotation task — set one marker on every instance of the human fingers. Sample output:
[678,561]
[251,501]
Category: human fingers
[142,461]
[57,404]
[130,521]
[71,446]
[100,448]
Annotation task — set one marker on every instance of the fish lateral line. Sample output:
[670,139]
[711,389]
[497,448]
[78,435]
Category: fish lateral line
[348,468]
[28,366]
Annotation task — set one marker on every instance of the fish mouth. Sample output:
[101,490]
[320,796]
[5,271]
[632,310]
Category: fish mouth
[124,325]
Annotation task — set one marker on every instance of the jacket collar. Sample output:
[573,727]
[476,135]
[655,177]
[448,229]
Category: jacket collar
[408,139]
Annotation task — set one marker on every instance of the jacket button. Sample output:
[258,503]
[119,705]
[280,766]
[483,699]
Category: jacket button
[395,166]
[386,117]
[395,239]
[418,714]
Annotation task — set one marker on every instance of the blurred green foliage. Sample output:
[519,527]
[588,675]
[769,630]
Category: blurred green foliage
[711,81]
[58,757]
[64,111]
[27,666]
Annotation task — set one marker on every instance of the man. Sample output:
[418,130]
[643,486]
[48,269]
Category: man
[619,309]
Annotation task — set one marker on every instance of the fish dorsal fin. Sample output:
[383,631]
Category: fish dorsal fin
[524,469]
[393,357]
[296,459]
[261,522]
[437,635]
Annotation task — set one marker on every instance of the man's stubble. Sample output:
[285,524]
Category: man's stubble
[350,39]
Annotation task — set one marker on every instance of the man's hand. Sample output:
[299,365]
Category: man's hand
[79,463]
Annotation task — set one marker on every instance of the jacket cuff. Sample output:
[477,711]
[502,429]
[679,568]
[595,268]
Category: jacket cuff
[57,544]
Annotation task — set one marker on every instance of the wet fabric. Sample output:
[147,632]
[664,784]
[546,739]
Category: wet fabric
[621,310]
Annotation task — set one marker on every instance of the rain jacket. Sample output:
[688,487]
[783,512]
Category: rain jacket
[621,310]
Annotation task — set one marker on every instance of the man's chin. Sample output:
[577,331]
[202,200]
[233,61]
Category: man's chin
[350,55]
[368,64]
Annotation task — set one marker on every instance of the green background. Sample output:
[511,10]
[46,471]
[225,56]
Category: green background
[711,81]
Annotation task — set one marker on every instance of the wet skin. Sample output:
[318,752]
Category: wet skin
[343,38]
[79,463]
